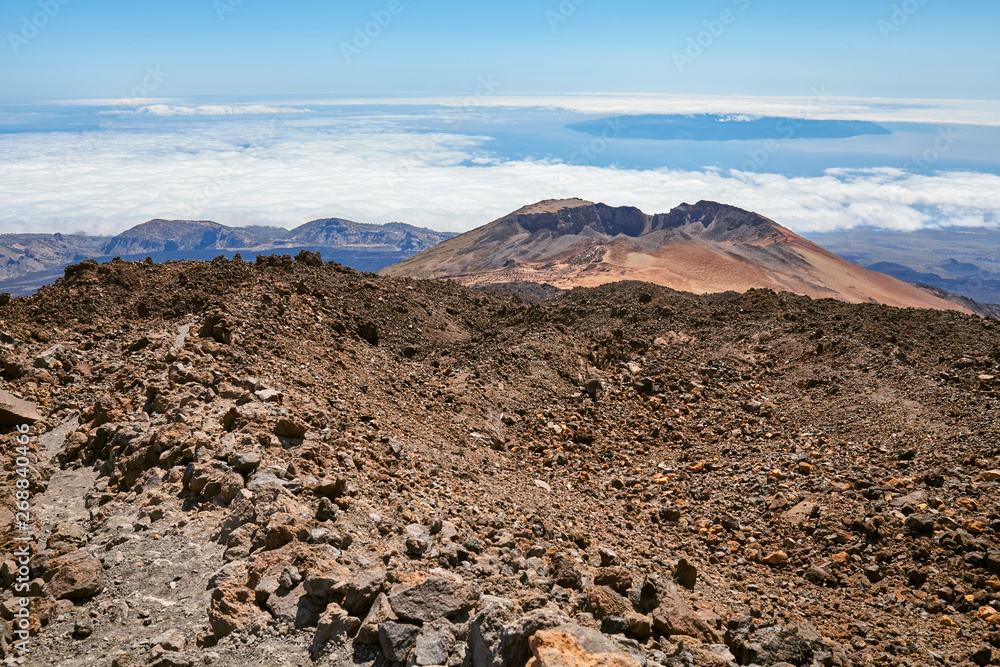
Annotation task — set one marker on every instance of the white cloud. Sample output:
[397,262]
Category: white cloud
[261,170]
[205,110]
[818,103]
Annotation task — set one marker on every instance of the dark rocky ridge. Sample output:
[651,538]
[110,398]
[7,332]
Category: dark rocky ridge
[336,232]
[24,254]
[168,235]
[582,217]
[984,309]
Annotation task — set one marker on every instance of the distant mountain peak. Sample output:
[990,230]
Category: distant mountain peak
[168,235]
[553,206]
[367,245]
[703,247]
[349,234]
[575,216]
[156,222]
[712,211]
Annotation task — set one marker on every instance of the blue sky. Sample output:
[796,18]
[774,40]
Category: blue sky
[113,112]
[897,48]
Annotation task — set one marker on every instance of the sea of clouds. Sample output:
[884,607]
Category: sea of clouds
[256,164]
[202,110]
[818,103]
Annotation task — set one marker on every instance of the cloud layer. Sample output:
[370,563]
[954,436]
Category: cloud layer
[288,169]
[819,103]
[204,110]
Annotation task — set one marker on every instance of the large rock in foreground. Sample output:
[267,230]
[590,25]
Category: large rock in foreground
[232,608]
[558,649]
[74,576]
[15,411]
[433,599]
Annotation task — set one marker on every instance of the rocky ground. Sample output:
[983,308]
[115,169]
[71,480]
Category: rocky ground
[293,463]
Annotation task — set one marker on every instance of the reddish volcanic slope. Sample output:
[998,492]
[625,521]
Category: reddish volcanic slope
[704,248]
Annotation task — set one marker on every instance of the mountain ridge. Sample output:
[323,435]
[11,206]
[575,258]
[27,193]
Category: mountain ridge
[703,247]
[25,254]
[348,234]
[168,235]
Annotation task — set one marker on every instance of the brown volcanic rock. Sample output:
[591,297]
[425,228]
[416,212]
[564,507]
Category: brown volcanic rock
[233,609]
[558,649]
[702,248]
[673,616]
[74,576]
[703,413]
[15,411]
[601,601]
[432,599]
